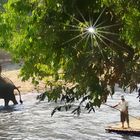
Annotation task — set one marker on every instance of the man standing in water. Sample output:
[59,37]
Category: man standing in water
[123,107]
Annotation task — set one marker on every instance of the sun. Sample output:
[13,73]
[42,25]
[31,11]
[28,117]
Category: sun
[90,31]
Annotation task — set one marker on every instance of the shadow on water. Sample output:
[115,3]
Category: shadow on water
[125,136]
[10,108]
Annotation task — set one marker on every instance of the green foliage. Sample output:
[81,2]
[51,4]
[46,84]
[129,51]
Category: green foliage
[49,37]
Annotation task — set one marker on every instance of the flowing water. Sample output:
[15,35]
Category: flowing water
[32,121]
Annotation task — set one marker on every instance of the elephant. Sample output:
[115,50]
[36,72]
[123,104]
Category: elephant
[7,88]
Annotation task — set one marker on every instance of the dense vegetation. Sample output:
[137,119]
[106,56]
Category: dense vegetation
[80,48]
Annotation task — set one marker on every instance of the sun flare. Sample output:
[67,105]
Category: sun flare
[92,31]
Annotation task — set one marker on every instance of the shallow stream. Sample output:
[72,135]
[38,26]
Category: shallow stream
[33,121]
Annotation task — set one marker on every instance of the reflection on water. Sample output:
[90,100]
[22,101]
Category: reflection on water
[32,121]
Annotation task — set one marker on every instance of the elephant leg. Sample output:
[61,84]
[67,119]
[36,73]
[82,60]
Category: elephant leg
[6,101]
[14,100]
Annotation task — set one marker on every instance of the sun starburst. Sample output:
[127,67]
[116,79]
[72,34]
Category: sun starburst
[92,30]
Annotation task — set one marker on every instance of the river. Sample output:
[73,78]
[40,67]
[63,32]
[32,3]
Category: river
[32,121]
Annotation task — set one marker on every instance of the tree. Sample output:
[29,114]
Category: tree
[81,48]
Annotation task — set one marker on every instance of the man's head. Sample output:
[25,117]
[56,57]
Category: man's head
[122,98]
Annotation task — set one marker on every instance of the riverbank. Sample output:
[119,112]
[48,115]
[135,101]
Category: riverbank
[11,71]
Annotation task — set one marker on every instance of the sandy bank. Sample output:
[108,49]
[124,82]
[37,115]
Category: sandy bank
[11,71]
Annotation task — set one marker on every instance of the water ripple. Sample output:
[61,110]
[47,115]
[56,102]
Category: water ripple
[33,121]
